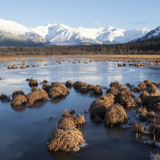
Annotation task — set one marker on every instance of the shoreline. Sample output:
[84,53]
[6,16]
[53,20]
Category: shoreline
[119,58]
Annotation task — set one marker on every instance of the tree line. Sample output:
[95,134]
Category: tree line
[146,48]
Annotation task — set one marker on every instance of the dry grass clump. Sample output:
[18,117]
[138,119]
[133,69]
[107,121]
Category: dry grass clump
[33,89]
[152,101]
[29,79]
[148,82]
[66,114]
[97,90]
[90,87]
[143,95]
[78,84]
[138,64]
[151,115]
[83,89]
[4,98]
[142,111]
[108,98]
[157,105]
[36,95]
[114,84]
[17,92]
[12,67]
[19,100]
[33,82]
[144,115]
[142,86]
[153,90]
[116,87]
[152,63]
[66,123]
[138,128]
[113,90]
[57,84]
[9,67]
[129,85]
[22,67]
[66,140]
[45,81]
[46,87]
[155,129]
[121,65]
[125,98]
[138,101]
[69,84]
[79,120]
[58,92]
[115,115]
[98,107]
[148,85]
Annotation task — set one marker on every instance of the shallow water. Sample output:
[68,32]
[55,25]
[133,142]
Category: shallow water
[23,134]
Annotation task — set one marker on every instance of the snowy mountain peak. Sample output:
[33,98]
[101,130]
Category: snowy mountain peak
[61,34]
[156,31]
[153,34]
[12,27]
[110,28]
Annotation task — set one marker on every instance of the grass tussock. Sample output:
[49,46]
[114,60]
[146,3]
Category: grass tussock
[78,84]
[17,92]
[4,98]
[33,82]
[138,128]
[66,123]
[58,92]
[66,140]
[98,107]
[115,115]
[36,95]
[69,84]
[19,100]
[66,114]
[79,120]
[125,98]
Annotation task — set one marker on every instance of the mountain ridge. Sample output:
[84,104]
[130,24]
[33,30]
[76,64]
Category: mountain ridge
[61,34]
[153,35]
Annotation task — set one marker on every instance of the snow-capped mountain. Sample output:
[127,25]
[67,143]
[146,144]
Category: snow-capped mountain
[12,33]
[153,34]
[60,34]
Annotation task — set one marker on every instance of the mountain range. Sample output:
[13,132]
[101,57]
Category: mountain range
[15,34]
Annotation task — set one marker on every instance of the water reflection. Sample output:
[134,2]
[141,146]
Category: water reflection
[19,108]
[38,104]
[61,155]
[114,132]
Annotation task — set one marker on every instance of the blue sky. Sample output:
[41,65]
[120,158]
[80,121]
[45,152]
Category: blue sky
[87,13]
